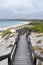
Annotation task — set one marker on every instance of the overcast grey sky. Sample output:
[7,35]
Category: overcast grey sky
[21,9]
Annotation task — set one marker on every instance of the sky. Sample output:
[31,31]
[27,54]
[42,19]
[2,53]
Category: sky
[21,9]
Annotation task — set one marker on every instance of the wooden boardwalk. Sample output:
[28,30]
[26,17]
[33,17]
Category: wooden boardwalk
[22,56]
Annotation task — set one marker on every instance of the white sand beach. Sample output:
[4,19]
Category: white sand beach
[4,50]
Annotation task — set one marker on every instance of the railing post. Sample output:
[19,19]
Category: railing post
[9,60]
[34,60]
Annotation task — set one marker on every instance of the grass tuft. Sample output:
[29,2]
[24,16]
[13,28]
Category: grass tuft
[6,32]
[39,35]
[38,48]
[10,45]
[39,41]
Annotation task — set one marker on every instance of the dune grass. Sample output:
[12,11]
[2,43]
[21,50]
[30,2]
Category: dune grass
[39,35]
[36,27]
[10,45]
[39,41]
[39,62]
[11,35]
[38,48]
[7,31]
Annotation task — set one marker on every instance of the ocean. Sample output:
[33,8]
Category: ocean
[10,23]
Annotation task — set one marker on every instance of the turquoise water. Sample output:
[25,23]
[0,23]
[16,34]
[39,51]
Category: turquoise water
[10,23]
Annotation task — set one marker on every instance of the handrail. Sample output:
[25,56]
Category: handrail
[33,51]
[4,57]
[9,54]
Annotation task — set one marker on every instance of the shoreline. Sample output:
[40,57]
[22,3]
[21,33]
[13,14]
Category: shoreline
[7,27]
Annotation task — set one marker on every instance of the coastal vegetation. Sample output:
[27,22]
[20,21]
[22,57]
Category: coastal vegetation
[6,32]
[39,41]
[11,35]
[10,45]
[37,27]
[39,35]
[38,48]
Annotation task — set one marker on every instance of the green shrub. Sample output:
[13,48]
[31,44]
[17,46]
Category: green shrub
[37,27]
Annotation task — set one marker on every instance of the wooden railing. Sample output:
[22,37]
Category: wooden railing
[11,55]
[34,56]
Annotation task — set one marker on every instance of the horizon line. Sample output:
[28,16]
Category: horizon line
[19,19]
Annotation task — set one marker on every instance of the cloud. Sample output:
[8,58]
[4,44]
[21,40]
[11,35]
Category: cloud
[21,9]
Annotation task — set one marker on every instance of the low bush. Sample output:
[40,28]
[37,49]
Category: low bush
[39,41]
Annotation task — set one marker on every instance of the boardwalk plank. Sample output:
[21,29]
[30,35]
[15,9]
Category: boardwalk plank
[22,56]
